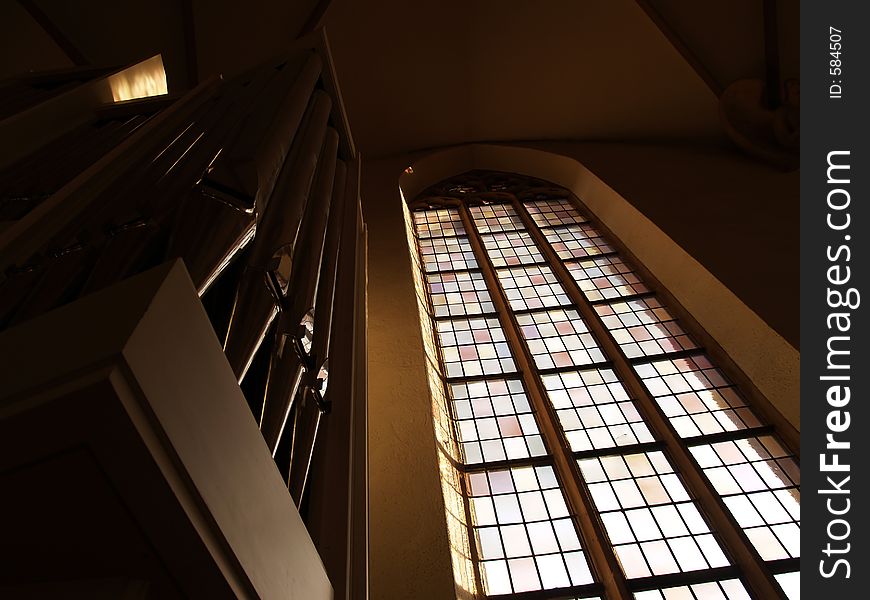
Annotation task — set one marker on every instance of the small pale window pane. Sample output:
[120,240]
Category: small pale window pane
[769,508]
[496,577]
[479,484]
[790,537]
[744,511]
[688,554]
[508,509]
[790,584]
[603,496]
[543,538]
[524,478]
[484,512]
[524,574]
[516,542]
[643,524]
[734,590]
[567,534]
[553,573]
[628,493]
[708,591]
[631,559]
[766,543]
[693,518]
[533,506]
[578,568]
[669,521]
[712,551]
[617,528]
[556,503]
[490,543]
[791,500]
[659,558]
[500,482]
[653,491]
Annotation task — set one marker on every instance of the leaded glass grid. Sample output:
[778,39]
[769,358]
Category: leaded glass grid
[525,536]
[651,520]
[541,279]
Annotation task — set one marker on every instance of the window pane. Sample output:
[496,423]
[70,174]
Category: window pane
[759,482]
[521,520]
[447,254]
[438,223]
[559,338]
[654,526]
[529,288]
[495,217]
[594,409]
[606,278]
[696,396]
[790,584]
[729,589]
[576,241]
[459,294]
[511,248]
[643,327]
[494,421]
[471,347]
[547,213]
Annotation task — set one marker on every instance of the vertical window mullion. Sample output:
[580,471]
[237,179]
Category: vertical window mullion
[599,552]
[735,540]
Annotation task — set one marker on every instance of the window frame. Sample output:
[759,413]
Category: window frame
[465,191]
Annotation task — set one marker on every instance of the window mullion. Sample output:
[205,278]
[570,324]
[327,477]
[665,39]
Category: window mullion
[600,553]
[733,537]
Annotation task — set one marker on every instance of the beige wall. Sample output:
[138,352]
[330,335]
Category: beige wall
[706,211]
[408,536]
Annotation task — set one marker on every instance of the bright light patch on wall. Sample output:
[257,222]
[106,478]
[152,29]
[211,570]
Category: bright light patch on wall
[148,78]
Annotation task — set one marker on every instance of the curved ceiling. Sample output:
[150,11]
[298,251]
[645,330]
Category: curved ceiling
[435,73]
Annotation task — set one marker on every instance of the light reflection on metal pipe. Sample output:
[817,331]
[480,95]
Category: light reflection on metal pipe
[298,293]
[277,230]
[316,401]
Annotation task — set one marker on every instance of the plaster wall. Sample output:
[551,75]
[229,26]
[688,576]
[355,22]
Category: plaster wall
[408,541]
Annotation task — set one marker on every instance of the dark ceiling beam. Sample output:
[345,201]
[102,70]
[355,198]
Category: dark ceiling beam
[188,29]
[771,54]
[54,33]
[685,51]
[315,17]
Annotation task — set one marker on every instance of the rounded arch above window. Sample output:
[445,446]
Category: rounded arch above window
[456,175]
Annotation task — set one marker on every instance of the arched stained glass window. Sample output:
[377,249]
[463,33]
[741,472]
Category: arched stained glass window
[596,447]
